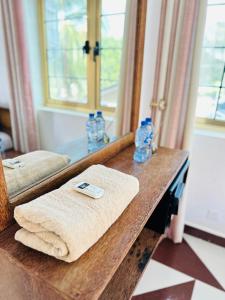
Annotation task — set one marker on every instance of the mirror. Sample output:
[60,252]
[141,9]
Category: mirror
[62,60]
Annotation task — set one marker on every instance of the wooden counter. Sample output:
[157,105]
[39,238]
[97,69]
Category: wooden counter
[112,267]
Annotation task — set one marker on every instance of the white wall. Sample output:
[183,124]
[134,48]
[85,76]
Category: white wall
[150,51]
[4,89]
[58,127]
[206,189]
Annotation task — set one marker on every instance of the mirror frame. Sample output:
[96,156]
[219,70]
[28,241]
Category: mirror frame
[102,155]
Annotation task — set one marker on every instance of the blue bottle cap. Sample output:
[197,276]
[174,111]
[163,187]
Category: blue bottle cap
[148,120]
[143,123]
[99,113]
[91,115]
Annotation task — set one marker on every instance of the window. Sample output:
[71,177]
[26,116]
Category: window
[82,45]
[211,93]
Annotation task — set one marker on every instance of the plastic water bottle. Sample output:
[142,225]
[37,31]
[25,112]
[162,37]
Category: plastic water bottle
[91,129]
[141,143]
[150,128]
[150,136]
[153,144]
[100,124]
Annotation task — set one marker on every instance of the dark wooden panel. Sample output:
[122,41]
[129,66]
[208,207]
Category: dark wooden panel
[5,215]
[11,154]
[5,122]
[87,277]
[124,281]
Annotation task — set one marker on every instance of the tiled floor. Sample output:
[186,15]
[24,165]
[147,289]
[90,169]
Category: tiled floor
[193,270]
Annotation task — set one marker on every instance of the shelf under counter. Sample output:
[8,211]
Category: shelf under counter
[110,269]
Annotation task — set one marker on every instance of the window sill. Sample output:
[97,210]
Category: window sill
[211,128]
[210,132]
[69,112]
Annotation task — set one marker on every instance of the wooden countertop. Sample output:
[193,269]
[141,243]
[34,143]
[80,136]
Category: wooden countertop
[87,277]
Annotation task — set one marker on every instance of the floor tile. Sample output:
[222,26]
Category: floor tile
[203,291]
[213,256]
[158,276]
[181,291]
[182,258]
[209,237]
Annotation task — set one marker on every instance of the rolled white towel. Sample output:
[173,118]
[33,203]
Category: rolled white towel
[65,223]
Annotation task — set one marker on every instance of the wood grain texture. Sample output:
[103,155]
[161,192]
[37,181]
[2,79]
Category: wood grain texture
[5,122]
[87,277]
[124,281]
[138,65]
[11,154]
[5,215]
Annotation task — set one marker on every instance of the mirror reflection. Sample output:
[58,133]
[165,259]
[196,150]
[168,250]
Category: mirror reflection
[64,71]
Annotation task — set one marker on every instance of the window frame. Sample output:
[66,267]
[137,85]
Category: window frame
[203,122]
[93,67]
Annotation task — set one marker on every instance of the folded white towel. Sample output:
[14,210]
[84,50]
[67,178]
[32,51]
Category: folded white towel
[65,223]
[37,166]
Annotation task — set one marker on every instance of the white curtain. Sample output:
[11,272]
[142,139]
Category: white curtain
[123,113]
[21,102]
[177,72]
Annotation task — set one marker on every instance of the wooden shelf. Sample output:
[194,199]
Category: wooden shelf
[124,281]
[29,274]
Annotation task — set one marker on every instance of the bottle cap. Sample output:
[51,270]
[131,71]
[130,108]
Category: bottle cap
[91,115]
[148,120]
[143,123]
[99,113]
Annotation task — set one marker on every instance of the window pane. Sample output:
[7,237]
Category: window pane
[211,95]
[212,66]
[110,64]
[109,93]
[112,31]
[68,89]
[216,2]
[67,63]
[207,100]
[220,113]
[215,26]
[64,9]
[110,72]
[113,7]
[66,33]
